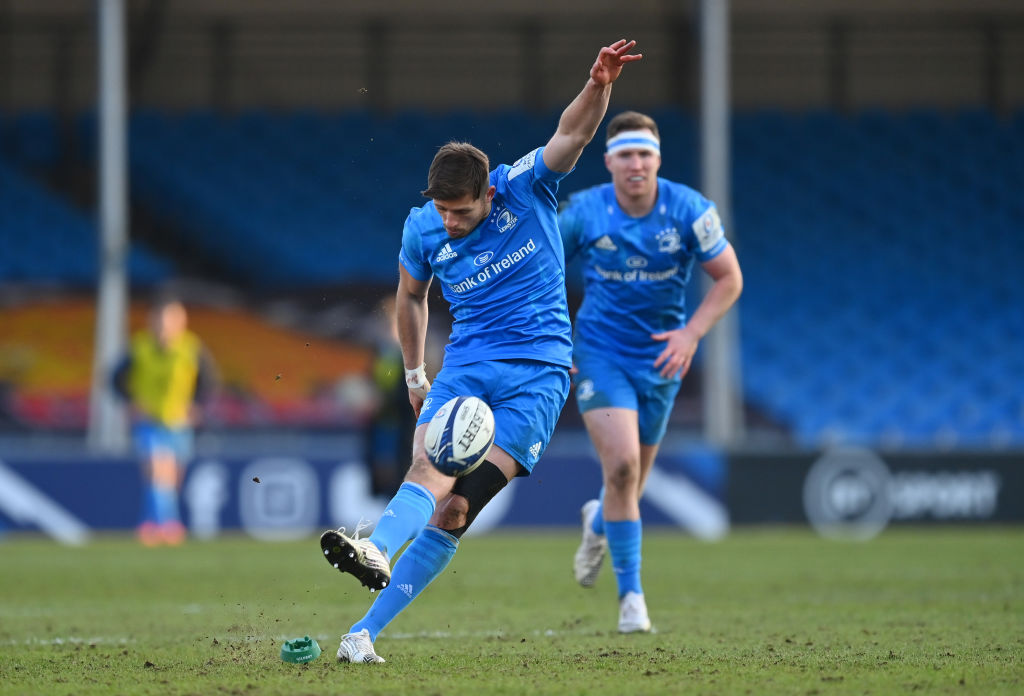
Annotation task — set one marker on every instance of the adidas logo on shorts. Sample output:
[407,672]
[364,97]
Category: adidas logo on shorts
[446,253]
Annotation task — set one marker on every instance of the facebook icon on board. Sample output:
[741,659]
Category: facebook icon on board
[294,497]
[843,493]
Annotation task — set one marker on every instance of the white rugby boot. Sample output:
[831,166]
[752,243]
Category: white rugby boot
[357,647]
[590,554]
[633,614]
[359,557]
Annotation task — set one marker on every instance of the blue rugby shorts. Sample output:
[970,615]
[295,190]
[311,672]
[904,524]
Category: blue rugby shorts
[526,397]
[151,437]
[609,380]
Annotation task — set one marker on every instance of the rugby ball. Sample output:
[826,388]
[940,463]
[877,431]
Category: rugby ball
[460,435]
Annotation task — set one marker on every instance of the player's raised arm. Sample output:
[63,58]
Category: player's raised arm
[581,118]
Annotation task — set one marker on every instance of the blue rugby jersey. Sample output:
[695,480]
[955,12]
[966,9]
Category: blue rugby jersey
[635,270]
[504,281]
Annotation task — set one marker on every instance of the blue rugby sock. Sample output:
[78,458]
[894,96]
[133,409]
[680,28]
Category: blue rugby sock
[625,538]
[597,524]
[166,504]
[406,514]
[427,555]
[150,503]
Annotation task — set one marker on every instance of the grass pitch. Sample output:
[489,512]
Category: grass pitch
[935,611]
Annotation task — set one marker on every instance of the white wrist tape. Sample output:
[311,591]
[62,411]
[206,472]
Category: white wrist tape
[416,380]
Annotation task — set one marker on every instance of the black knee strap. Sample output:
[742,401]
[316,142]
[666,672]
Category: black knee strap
[478,487]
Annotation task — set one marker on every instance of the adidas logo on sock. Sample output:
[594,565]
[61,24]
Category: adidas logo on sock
[406,590]
[446,253]
[605,243]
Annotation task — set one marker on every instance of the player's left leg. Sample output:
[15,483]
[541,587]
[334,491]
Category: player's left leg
[164,467]
[148,530]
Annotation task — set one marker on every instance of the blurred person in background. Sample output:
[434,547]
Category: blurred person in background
[492,240]
[388,436]
[164,376]
[638,238]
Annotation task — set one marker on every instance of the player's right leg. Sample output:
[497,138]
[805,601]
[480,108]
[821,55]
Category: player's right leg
[148,529]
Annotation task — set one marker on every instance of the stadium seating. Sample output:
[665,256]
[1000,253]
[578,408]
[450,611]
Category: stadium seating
[882,255]
[30,140]
[311,198]
[882,251]
[46,240]
[317,198]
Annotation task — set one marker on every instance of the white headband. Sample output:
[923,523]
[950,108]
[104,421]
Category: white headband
[634,140]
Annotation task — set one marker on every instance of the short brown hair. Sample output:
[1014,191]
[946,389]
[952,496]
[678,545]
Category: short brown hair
[457,169]
[631,120]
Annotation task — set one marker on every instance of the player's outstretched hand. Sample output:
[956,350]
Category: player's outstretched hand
[610,60]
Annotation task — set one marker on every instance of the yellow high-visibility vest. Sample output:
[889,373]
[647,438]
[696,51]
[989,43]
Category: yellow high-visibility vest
[162,382]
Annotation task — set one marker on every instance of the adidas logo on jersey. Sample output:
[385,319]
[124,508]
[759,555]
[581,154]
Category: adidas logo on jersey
[446,253]
[605,243]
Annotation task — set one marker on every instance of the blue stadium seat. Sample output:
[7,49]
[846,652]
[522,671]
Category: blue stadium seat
[46,240]
[881,251]
[888,240]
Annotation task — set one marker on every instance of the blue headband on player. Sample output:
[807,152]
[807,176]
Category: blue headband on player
[634,140]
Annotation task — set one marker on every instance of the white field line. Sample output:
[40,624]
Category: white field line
[71,640]
[251,638]
[418,635]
